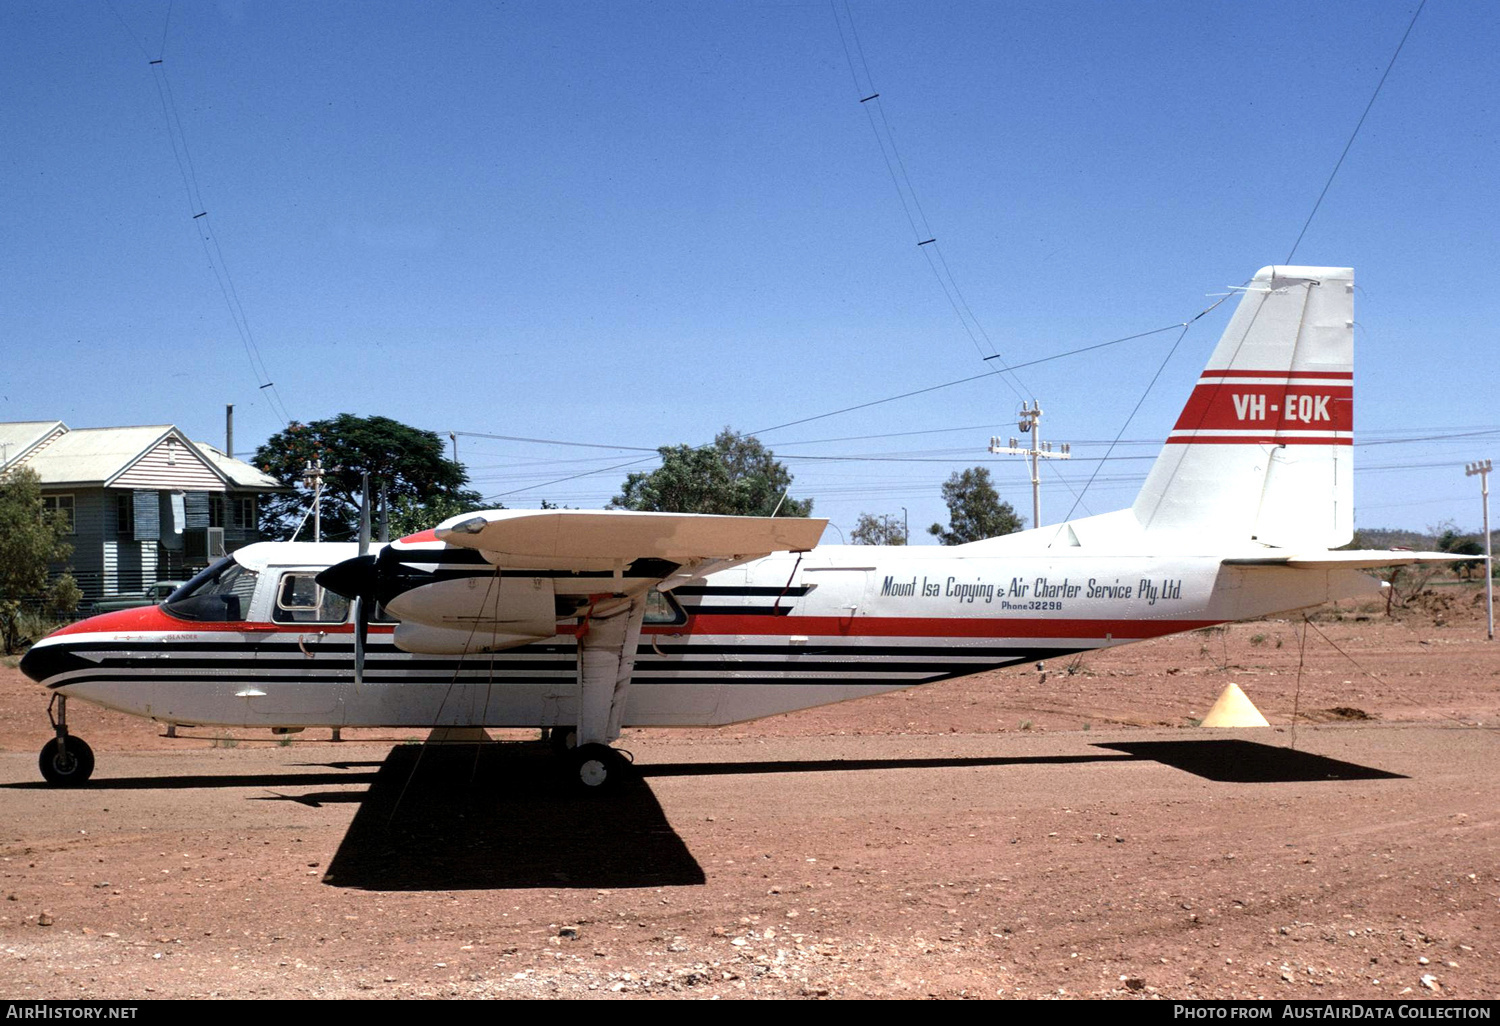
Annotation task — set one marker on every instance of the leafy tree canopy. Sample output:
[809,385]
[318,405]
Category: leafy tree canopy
[885,529]
[737,475]
[1450,540]
[975,511]
[422,485]
[30,539]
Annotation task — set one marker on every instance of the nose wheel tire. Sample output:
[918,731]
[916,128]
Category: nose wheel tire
[66,761]
[595,768]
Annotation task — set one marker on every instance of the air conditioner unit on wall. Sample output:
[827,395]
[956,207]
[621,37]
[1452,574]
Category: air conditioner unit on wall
[202,545]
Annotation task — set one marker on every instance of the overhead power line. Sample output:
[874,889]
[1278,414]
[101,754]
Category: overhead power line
[198,215]
[1353,135]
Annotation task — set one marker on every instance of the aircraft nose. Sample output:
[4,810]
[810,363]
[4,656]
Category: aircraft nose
[42,662]
[29,664]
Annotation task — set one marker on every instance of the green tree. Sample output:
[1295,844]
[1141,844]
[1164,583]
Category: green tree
[422,485]
[975,511]
[410,515]
[885,529]
[30,540]
[1461,545]
[737,475]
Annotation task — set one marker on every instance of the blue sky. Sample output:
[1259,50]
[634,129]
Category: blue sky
[629,225]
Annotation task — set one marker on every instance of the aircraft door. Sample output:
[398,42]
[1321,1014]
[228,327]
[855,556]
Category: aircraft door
[309,660]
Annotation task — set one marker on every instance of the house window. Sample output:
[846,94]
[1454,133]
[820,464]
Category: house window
[244,512]
[125,516]
[62,504]
[216,511]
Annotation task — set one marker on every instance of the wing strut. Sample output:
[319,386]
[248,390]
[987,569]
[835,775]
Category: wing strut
[606,659]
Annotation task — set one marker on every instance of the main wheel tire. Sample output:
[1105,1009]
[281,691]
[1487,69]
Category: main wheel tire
[595,768]
[66,761]
[563,740]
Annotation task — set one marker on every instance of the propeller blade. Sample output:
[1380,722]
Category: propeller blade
[364,514]
[361,631]
[352,578]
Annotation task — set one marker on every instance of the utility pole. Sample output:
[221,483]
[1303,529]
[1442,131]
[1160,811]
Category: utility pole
[1029,421]
[312,477]
[1482,469]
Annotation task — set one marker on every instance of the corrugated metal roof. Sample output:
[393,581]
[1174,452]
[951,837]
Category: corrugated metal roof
[97,455]
[242,474]
[94,455]
[17,438]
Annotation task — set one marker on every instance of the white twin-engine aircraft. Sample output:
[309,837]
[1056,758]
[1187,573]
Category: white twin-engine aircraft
[586,622]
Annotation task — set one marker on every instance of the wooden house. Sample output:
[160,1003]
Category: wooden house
[146,504]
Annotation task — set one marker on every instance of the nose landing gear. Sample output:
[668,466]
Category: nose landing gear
[66,761]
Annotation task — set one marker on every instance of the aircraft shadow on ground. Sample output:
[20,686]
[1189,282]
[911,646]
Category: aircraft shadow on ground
[465,817]
[1222,759]
[207,780]
[710,769]
[1247,762]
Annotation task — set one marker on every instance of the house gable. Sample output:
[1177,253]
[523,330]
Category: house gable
[20,441]
[171,463]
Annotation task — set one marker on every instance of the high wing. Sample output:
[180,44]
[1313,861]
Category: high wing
[1347,559]
[503,578]
[576,539]
[500,578]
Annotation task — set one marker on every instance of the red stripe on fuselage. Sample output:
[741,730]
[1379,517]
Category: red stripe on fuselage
[152,618]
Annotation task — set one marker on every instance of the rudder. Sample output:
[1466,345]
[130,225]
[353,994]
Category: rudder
[1263,448]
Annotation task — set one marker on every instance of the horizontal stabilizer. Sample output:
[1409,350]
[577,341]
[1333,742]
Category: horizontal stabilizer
[1349,559]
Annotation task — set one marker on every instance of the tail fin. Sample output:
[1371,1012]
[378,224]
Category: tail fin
[1263,448]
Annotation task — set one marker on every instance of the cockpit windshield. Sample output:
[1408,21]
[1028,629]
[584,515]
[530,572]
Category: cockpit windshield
[220,594]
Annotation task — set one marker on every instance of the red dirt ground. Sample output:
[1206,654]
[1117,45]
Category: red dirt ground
[1022,833]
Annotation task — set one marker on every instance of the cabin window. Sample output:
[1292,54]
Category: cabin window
[300,599]
[220,594]
[663,608]
[61,504]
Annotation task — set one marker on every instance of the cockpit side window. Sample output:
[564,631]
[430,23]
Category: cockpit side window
[300,599]
[662,608]
[220,594]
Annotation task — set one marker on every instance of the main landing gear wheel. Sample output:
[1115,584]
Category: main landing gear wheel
[563,739]
[596,768]
[67,761]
